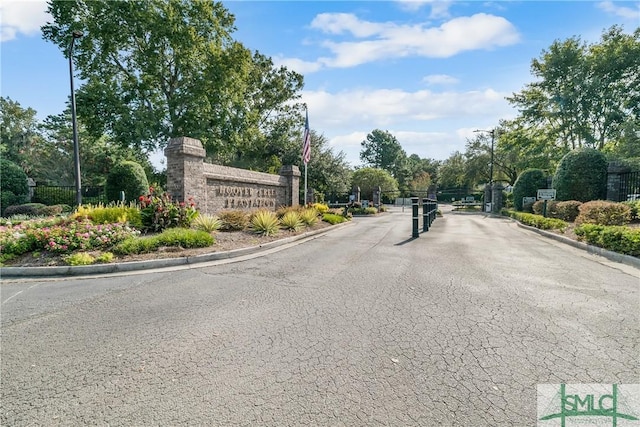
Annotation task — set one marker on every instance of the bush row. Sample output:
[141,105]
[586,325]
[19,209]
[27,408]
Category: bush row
[620,239]
[537,221]
[600,212]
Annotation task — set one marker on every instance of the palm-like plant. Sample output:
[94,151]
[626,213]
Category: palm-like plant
[291,221]
[265,223]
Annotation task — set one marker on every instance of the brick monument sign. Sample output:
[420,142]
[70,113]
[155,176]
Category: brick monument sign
[216,188]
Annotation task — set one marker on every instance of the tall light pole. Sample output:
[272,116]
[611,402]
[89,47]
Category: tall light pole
[491,132]
[76,148]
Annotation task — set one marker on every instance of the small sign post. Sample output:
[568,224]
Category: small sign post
[546,194]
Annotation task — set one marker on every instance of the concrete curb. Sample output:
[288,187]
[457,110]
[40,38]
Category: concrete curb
[613,256]
[98,269]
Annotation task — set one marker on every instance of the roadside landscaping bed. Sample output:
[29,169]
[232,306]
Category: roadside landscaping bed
[608,225]
[158,229]
[224,241]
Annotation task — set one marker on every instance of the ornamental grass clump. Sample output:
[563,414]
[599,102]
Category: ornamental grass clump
[320,207]
[208,223]
[309,216]
[80,258]
[265,223]
[115,213]
[291,221]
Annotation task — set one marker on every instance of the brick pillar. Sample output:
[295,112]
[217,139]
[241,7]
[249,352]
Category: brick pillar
[613,181]
[185,169]
[356,194]
[497,202]
[292,192]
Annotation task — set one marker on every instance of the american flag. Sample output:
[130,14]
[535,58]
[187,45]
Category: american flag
[306,145]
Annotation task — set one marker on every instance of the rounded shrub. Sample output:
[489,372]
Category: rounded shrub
[603,212]
[129,177]
[552,206]
[581,175]
[15,189]
[568,210]
[527,185]
[29,209]
[13,178]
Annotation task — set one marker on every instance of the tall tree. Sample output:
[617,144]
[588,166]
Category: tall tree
[452,173]
[52,157]
[583,93]
[369,179]
[19,133]
[417,166]
[156,69]
[383,151]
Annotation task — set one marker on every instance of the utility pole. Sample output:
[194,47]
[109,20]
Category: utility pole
[76,147]
[491,132]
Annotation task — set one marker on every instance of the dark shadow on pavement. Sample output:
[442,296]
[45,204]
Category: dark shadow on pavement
[405,241]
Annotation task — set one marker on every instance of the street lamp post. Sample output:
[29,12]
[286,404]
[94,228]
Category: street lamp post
[76,148]
[491,132]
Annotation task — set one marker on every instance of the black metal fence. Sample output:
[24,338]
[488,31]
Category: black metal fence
[629,188]
[66,195]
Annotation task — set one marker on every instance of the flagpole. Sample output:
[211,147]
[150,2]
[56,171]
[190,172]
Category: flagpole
[305,184]
[306,150]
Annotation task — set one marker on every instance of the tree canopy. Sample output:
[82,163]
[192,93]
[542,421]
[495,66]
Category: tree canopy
[383,151]
[157,69]
[583,93]
[369,179]
[44,149]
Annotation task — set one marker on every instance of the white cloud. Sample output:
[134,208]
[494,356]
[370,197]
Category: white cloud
[621,11]
[371,108]
[414,118]
[389,40]
[24,17]
[439,8]
[439,79]
[296,64]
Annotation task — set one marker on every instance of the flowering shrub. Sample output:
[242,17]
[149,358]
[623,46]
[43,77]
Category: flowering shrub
[159,212]
[80,236]
[60,237]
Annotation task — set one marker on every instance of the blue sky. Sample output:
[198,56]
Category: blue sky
[428,72]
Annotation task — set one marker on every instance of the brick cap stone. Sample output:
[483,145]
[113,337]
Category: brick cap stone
[185,145]
[290,170]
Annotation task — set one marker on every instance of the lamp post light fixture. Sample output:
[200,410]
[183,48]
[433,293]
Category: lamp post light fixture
[76,148]
[491,132]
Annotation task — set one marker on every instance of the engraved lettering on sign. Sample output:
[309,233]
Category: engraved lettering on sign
[237,197]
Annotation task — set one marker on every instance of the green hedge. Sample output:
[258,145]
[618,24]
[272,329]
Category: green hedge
[538,221]
[616,238]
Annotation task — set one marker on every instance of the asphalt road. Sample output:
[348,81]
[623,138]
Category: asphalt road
[363,326]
